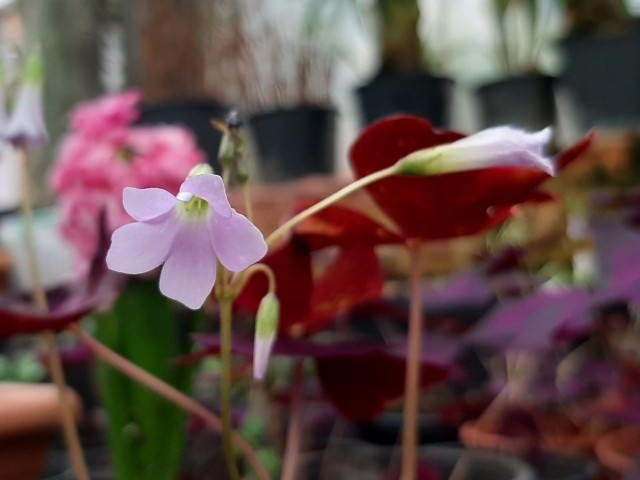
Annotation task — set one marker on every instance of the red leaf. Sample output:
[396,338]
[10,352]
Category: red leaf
[571,154]
[338,225]
[447,205]
[354,277]
[361,386]
[67,305]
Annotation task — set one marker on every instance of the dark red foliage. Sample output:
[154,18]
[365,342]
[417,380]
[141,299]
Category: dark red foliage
[67,305]
[340,226]
[448,205]
[362,386]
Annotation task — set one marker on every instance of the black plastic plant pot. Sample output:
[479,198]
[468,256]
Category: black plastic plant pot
[293,143]
[418,94]
[386,429]
[602,75]
[195,116]
[525,101]
[559,466]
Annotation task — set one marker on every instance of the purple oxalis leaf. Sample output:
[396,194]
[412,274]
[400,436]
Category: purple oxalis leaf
[533,323]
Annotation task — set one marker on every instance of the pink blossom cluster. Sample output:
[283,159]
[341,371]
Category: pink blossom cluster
[103,153]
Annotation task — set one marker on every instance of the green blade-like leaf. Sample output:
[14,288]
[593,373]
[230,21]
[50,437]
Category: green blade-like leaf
[148,333]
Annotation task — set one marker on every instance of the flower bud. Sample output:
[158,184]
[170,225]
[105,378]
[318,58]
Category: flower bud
[200,169]
[232,149]
[266,331]
[26,126]
[493,147]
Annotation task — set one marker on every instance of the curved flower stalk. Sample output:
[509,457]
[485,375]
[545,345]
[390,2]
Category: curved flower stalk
[403,163]
[188,233]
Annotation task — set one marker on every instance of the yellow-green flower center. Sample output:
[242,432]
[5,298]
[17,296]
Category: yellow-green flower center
[195,208]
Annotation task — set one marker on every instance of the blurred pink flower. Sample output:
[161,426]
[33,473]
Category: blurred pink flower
[95,163]
[162,156]
[85,164]
[107,117]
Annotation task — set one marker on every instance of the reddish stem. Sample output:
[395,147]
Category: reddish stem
[412,375]
[294,431]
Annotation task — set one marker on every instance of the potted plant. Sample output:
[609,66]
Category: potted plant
[525,95]
[406,81]
[165,48]
[281,79]
[602,70]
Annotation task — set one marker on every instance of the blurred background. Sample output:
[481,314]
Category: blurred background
[464,64]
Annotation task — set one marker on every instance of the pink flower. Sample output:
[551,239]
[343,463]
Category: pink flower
[84,164]
[91,173]
[107,117]
[80,214]
[161,154]
[187,234]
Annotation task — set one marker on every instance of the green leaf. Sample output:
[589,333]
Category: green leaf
[145,328]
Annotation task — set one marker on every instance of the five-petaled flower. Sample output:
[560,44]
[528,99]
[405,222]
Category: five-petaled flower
[187,233]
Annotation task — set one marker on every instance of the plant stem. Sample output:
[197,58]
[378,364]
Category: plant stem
[248,203]
[239,281]
[412,375]
[225,401]
[172,394]
[72,439]
[70,431]
[331,199]
[294,430]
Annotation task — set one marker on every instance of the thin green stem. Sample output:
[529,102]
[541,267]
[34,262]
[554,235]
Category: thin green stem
[248,203]
[225,300]
[240,280]
[331,199]
[70,431]
[412,375]
[226,318]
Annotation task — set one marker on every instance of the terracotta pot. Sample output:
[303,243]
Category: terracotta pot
[553,464]
[29,414]
[558,434]
[617,450]
[475,437]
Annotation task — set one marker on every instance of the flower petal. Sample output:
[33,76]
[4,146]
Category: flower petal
[26,126]
[494,147]
[145,204]
[261,353]
[189,272]
[504,146]
[237,242]
[209,187]
[140,247]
